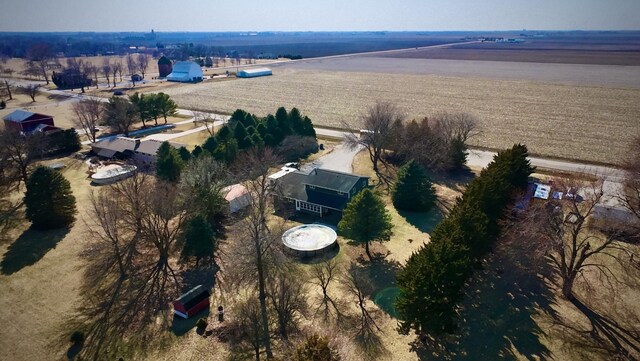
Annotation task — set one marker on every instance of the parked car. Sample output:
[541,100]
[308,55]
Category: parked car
[292,165]
[118,92]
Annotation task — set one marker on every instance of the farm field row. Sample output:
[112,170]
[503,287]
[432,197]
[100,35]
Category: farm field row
[588,123]
[579,74]
[562,56]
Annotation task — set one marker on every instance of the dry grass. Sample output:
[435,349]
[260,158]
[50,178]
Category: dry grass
[39,282]
[590,123]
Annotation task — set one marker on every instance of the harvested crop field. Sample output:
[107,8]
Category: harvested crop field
[591,123]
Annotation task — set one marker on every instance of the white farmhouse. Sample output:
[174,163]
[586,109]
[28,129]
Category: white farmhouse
[185,72]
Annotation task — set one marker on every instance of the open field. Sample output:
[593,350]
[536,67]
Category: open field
[590,123]
[514,54]
[578,74]
[604,49]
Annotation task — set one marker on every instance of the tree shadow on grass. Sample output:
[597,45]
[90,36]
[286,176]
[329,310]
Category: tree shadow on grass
[423,221]
[381,273]
[604,334]
[496,318]
[30,247]
[456,180]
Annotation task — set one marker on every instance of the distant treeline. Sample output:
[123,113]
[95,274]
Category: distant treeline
[180,46]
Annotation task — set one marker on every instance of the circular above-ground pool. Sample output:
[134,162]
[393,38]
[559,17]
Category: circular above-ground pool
[309,240]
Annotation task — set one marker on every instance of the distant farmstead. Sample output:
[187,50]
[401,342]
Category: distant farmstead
[253,73]
[27,122]
[185,72]
[165,66]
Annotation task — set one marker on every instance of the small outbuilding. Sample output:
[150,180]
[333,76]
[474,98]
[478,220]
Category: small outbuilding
[26,121]
[185,72]
[254,72]
[238,197]
[192,302]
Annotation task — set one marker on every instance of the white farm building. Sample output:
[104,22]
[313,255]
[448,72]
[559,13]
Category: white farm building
[255,72]
[186,72]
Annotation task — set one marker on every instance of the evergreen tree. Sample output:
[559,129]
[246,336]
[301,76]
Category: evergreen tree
[261,128]
[237,116]
[283,121]
[365,220]
[307,128]
[458,156]
[199,240]
[431,280]
[48,199]
[316,348]
[430,284]
[246,143]
[413,191]
[165,106]
[295,120]
[210,144]
[168,163]
[256,140]
[224,134]
[273,129]
[184,153]
[239,133]
[249,120]
[197,150]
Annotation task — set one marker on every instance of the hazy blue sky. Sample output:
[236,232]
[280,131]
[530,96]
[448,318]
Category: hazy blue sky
[286,15]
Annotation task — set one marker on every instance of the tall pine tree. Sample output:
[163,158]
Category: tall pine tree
[413,191]
[48,199]
[365,220]
[168,163]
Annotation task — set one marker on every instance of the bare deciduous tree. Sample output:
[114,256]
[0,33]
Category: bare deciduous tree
[256,243]
[132,67]
[323,274]
[375,135]
[120,115]
[204,119]
[629,196]
[31,90]
[18,150]
[88,114]
[7,86]
[106,70]
[116,68]
[562,231]
[143,63]
[358,287]
[287,292]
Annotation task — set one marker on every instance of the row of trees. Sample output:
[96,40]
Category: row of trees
[245,131]
[438,143]
[433,277]
[121,114]
[80,73]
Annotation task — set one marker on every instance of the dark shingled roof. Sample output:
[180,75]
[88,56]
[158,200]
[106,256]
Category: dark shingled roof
[193,297]
[330,179]
[292,185]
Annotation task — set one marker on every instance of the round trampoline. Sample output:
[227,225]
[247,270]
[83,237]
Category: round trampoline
[309,240]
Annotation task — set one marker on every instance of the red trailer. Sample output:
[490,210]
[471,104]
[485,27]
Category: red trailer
[191,302]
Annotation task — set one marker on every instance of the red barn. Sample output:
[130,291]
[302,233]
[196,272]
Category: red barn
[25,121]
[191,302]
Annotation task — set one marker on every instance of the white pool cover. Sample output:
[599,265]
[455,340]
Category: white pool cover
[310,237]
